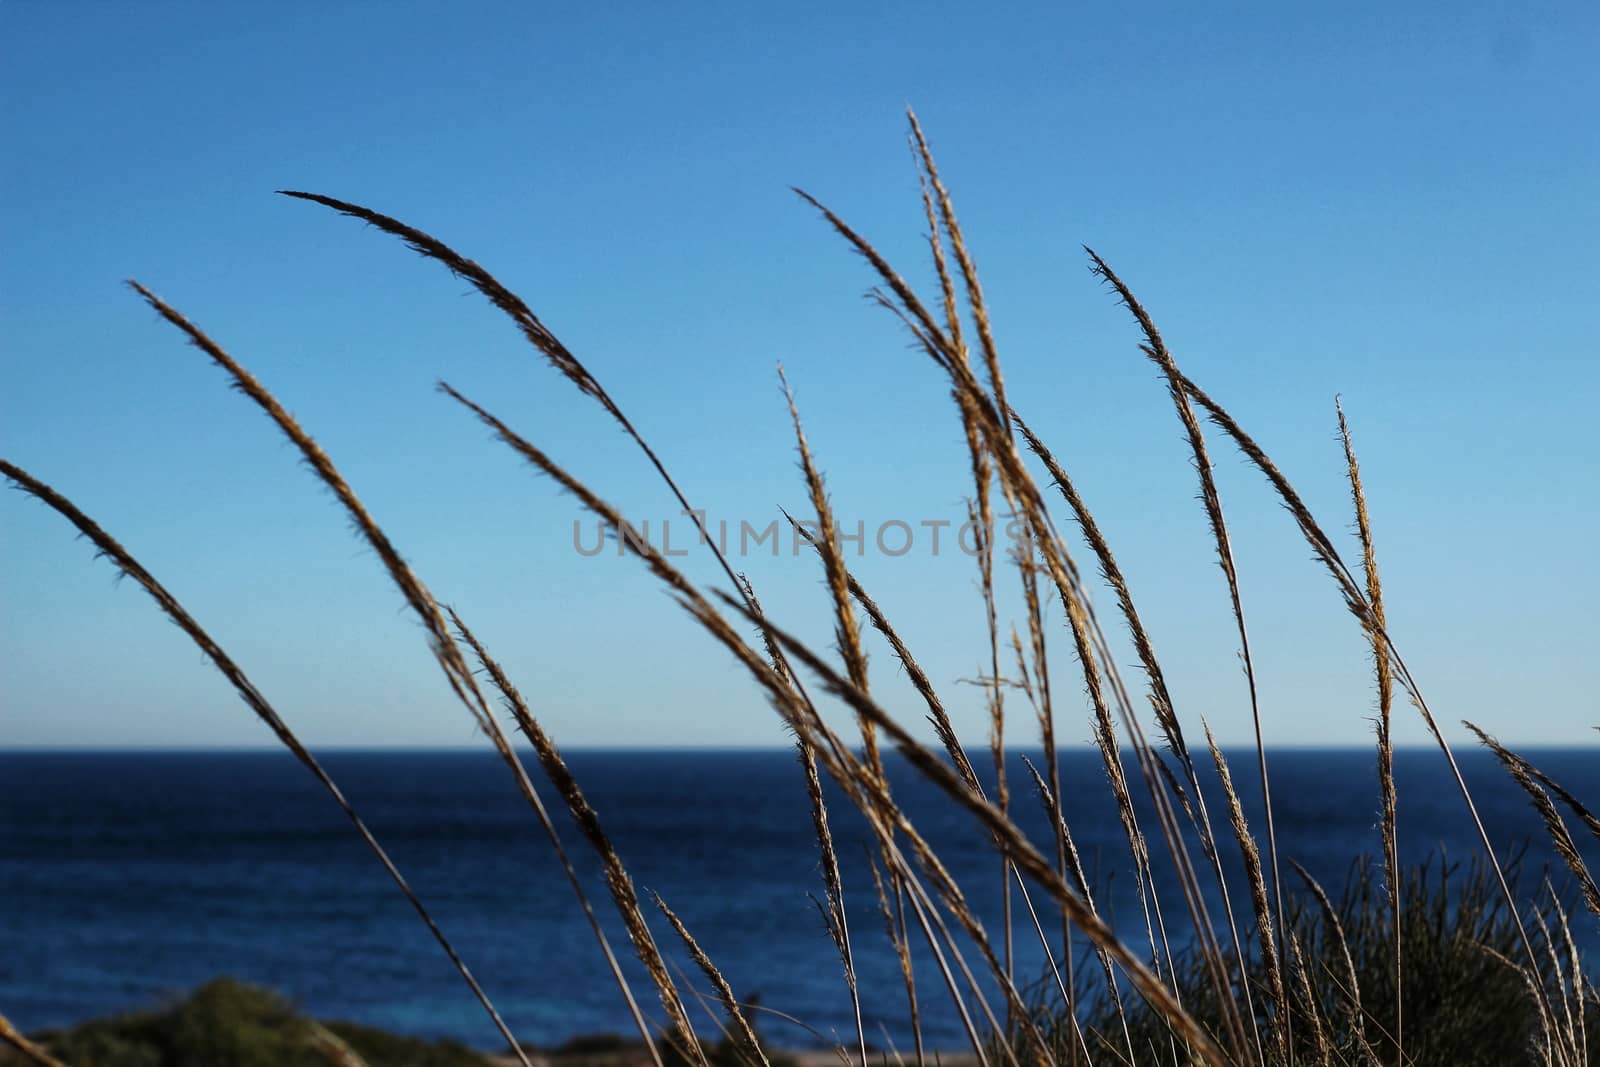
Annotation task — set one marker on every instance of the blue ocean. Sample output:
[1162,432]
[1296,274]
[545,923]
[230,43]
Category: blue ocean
[126,877]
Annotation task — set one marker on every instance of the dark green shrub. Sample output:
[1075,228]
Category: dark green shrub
[226,1023]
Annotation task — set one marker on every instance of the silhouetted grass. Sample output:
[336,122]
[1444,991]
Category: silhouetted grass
[1476,970]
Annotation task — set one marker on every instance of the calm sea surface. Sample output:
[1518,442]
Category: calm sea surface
[127,876]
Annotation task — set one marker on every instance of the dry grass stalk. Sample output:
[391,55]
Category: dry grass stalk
[1096,662]
[1104,733]
[1350,985]
[945,227]
[774,653]
[1155,772]
[831,879]
[947,289]
[1160,697]
[1074,865]
[997,736]
[867,794]
[937,715]
[1155,348]
[1566,1029]
[1022,851]
[838,921]
[426,607]
[1258,896]
[890,819]
[1044,707]
[1554,825]
[416,595]
[1065,986]
[730,1004]
[537,334]
[969,1027]
[432,248]
[333,1046]
[994,431]
[978,455]
[954,902]
[870,794]
[10,1035]
[108,547]
[1575,971]
[847,631]
[949,892]
[785,696]
[941,722]
[923,327]
[835,915]
[1151,765]
[1105,738]
[1302,980]
[1529,973]
[865,785]
[588,822]
[1583,814]
[796,711]
[969,270]
[1356,600]
[894,925]
[1034,687]
[1375,624]
[1024,494]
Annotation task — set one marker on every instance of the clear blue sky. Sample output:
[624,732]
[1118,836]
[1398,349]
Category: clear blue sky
[1392,202]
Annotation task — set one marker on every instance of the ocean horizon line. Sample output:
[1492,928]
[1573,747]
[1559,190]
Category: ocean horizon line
[975,745]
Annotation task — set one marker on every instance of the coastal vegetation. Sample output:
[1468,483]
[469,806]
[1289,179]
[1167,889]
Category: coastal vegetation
[1405,967]
[228,1023]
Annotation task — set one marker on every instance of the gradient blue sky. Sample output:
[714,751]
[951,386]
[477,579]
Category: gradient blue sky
[1392,202]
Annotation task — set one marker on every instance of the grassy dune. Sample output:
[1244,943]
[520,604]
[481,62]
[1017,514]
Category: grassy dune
[227,1023]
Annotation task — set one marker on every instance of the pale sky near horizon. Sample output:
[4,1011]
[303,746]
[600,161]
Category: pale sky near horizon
[1392,203]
